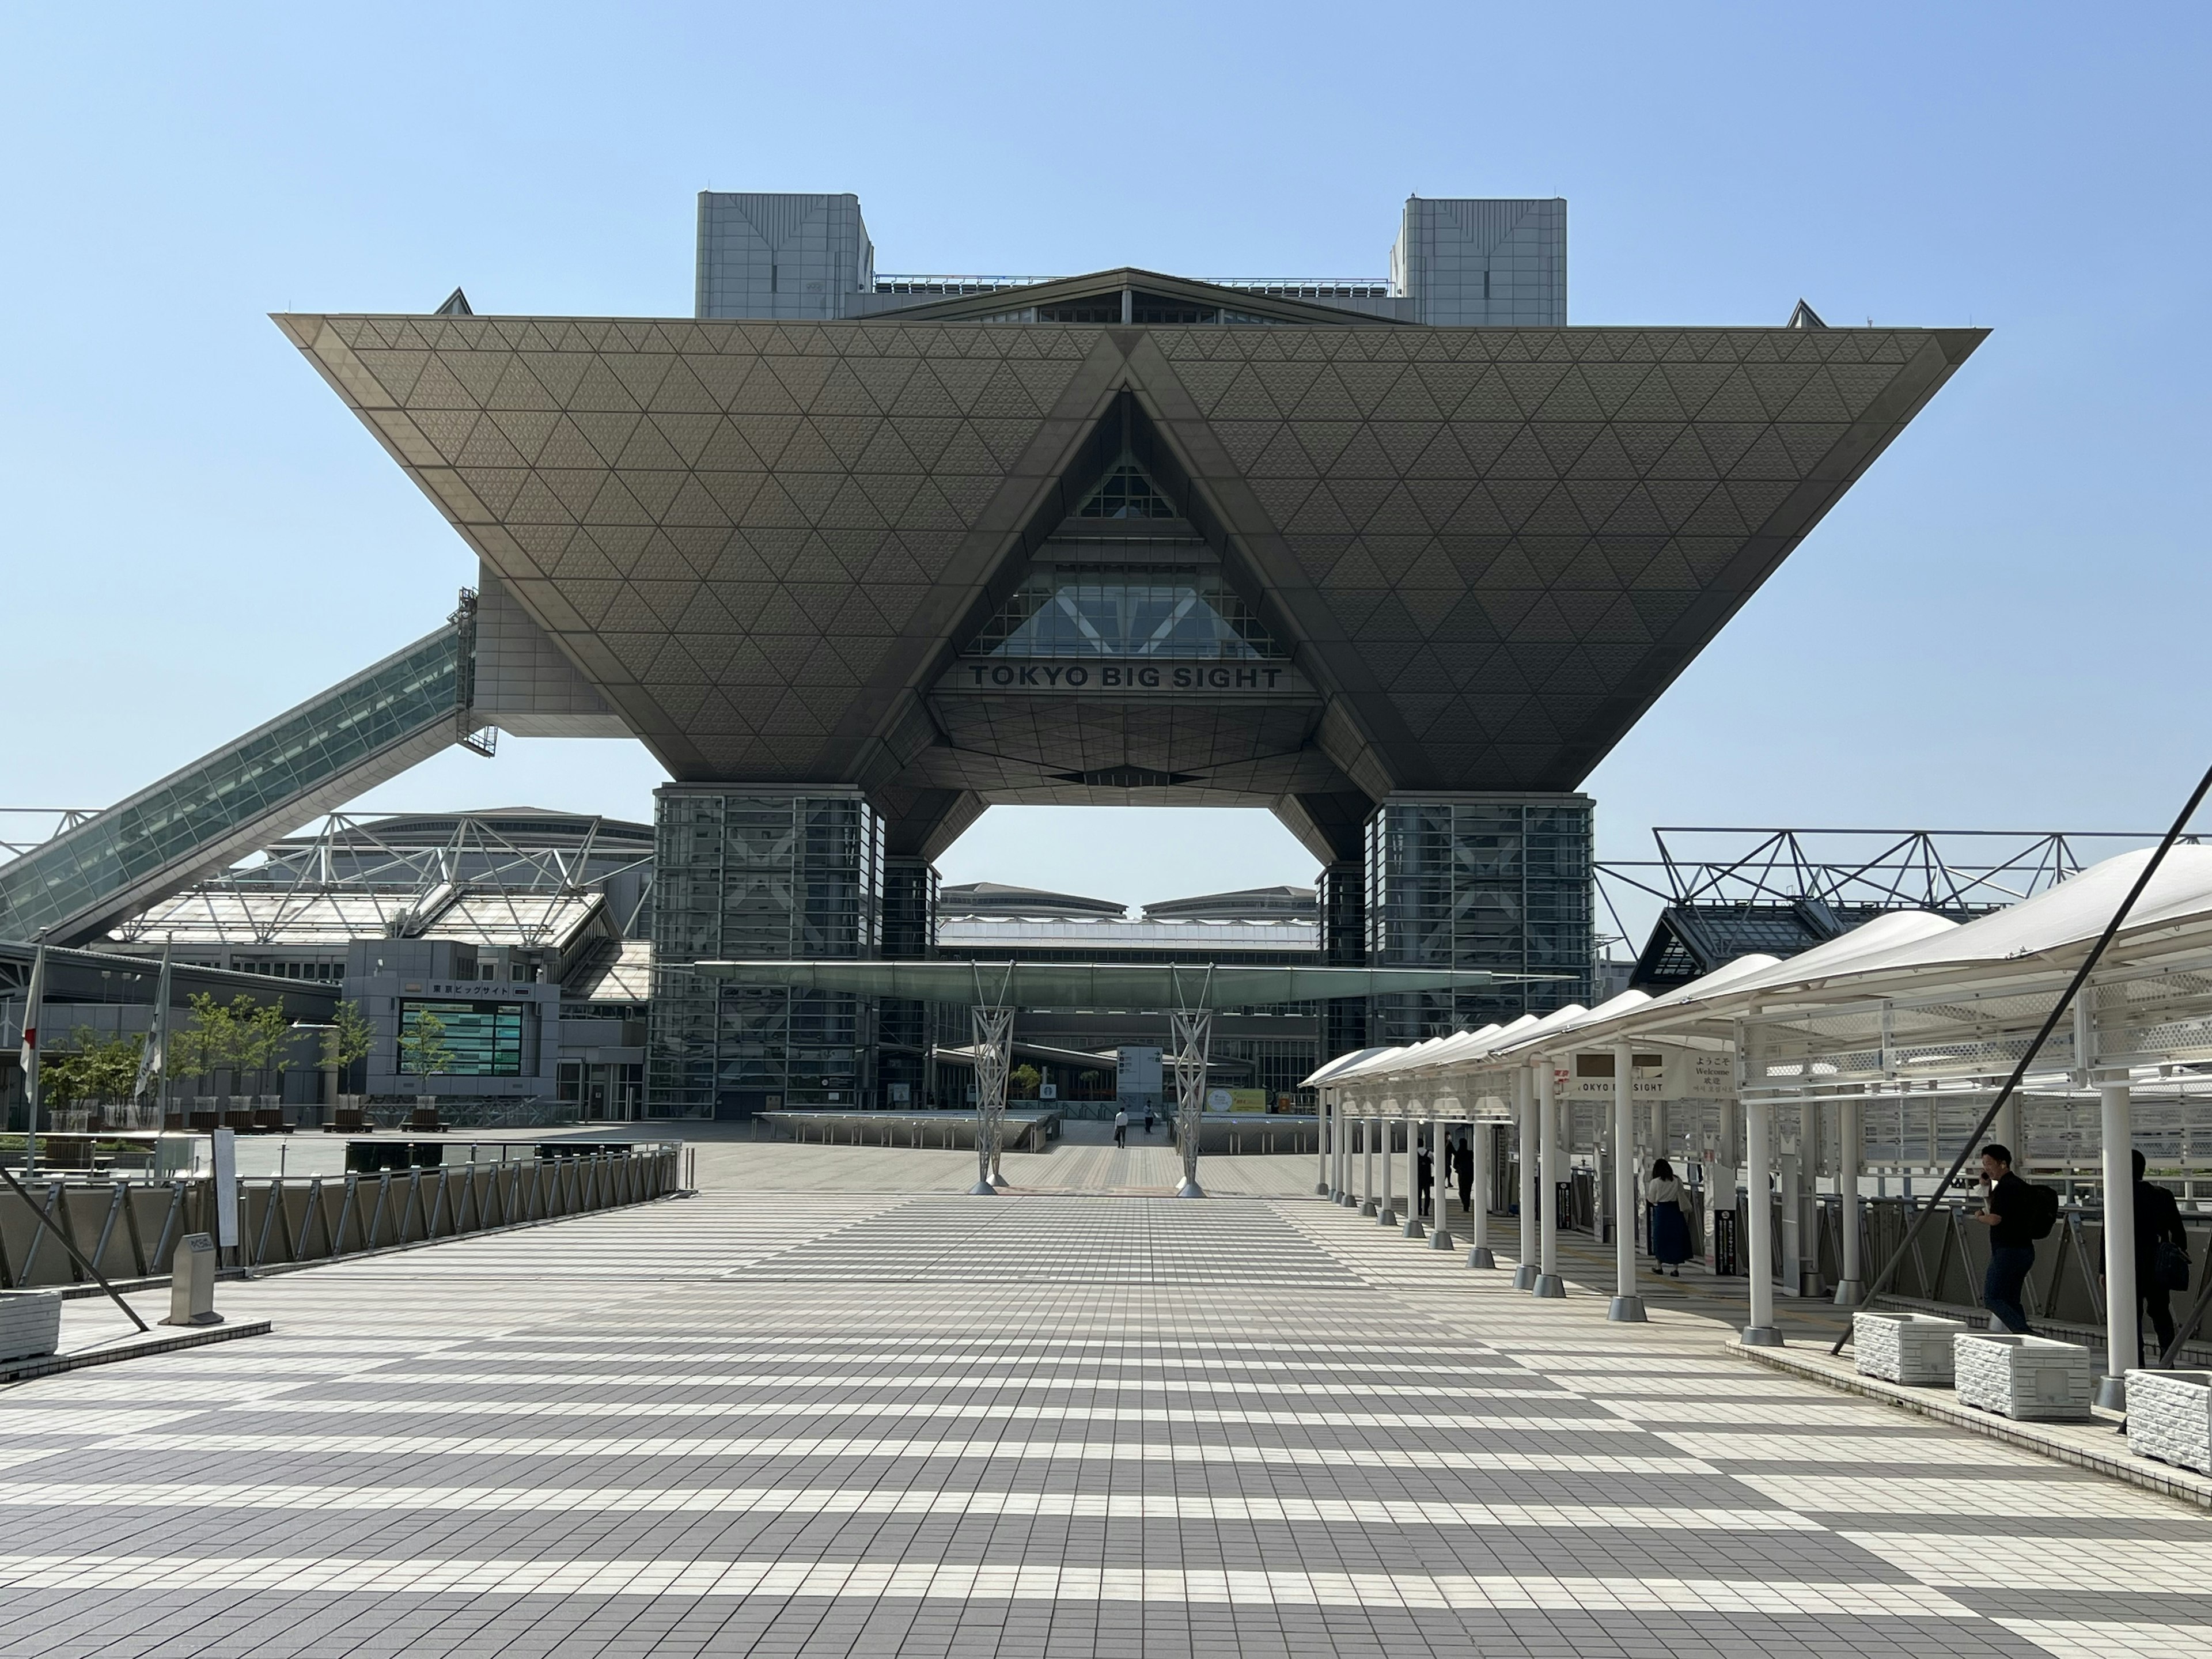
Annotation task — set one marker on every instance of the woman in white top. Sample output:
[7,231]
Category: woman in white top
[1668,1228]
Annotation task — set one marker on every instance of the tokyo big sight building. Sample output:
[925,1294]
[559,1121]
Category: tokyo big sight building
[858,554]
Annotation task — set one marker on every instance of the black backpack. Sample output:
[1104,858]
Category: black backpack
[2042,1209]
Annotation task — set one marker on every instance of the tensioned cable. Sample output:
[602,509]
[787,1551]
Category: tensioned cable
[2020,1071]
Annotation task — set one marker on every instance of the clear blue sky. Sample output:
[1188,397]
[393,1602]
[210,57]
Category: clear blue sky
[2003,624]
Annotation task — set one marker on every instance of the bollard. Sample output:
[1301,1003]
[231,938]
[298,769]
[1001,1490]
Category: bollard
[192,1284]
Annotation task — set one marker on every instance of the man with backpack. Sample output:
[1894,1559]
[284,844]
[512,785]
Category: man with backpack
[2017,1213]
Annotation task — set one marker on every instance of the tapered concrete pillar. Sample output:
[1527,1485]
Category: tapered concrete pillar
[1759,1224]
[1524,1092]
[2123,1318]
[1321,1152]
[1477,1221]
[1850,1161]
[1385,1212]
[1627,1305]
[1548,1282]
[1367,1206]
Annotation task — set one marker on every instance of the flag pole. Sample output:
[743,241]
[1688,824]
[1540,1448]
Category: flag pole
[32,1000]
[154,1060]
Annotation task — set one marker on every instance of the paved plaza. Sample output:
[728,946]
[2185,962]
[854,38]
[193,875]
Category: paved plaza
[830,1405]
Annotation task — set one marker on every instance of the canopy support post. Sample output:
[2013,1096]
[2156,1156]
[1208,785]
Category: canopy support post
[1851,1159]
[1628,1306]
[1524,1090]
[1759,1225]
[1548,1283]
[1440,1238]
[1480,1141]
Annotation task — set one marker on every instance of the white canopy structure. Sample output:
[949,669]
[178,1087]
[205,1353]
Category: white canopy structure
[1885,1044]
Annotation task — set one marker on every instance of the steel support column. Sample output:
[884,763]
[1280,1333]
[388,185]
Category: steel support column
[993,1029]
[1193,1035]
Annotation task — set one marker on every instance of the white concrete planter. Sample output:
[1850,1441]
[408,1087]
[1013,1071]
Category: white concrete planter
[30,1323]
[2170,1417]
[1903,1347]
[2024,1378]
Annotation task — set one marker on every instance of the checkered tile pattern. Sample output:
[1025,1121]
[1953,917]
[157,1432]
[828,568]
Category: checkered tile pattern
[813,1423]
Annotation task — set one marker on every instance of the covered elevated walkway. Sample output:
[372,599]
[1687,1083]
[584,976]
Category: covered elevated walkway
[1867,1060]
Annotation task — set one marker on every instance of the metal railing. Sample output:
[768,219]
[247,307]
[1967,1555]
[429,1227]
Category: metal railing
[132,1231]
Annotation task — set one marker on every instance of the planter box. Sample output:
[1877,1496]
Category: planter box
[2170,1417]
[30,1323]
[2028,1378]
[1903,1347]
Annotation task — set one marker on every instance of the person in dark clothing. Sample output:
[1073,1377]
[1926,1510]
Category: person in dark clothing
[1424,1178]
[1463,1170]
[1667,1227]
[2012,1246]
[2158,1222]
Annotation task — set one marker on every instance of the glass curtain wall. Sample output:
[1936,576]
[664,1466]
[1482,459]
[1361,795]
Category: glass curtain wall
[759,876]
[1479,881]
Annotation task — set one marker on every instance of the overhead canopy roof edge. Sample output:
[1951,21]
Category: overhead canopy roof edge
[1099,985]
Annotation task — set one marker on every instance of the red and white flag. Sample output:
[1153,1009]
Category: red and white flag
[32,998]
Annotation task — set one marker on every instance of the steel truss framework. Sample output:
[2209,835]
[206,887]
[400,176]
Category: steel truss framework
[523,889]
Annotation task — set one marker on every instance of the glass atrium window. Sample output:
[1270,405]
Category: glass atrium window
[1124,610]
[1127,494]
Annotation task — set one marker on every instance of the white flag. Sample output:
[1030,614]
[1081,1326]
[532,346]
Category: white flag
[153,1059]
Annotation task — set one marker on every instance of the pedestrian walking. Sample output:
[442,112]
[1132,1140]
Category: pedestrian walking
[1424,1177]
[1667,1229]
[2014,1212]
[1463,1169]
[2162,1258]
[1121,1128]
[1148,1123]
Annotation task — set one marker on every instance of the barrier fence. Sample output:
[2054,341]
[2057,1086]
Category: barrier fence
[131,1231]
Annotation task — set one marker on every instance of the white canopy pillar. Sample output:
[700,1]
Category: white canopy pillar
[1413,1228]
[1548,1282]
[1477,1209]
[2122,1316]
[1367,1166]
[1321,1150]
[1339,1149]
[1851,1160]
[1759,1224]
[1440,1237]
[1385,1212]
[1628,1306]
[1524,1100]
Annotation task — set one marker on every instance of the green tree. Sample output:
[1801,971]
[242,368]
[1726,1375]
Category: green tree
[1023,1082]
[92,1067]
[349,1037]
[422,1046]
